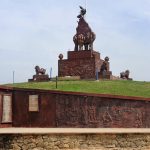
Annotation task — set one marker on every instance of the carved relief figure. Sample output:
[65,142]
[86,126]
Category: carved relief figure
[92,114]
[84,111]
[138,120]
[72,116]
[79,111]
[107,119]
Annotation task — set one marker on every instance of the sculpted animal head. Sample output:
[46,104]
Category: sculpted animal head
[37,67]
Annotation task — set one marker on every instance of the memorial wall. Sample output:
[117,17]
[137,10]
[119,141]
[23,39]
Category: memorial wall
[44,108]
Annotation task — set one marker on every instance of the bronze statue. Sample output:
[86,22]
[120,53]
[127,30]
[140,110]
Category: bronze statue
[82,12]
[40,71]
[105,66]
[86,40]
[125,75]
[84,36]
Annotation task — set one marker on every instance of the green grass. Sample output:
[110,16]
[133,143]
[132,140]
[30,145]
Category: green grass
[127,88]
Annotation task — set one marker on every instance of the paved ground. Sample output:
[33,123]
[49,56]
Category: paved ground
[72,130]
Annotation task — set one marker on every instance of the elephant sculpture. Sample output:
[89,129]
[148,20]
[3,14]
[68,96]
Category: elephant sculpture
[79,41]
[85,40]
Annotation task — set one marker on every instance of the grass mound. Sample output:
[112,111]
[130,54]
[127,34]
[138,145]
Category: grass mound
[126,88]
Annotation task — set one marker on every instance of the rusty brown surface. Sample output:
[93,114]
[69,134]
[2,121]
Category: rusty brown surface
[81,54]
[93,112]
[75,109]
[22,117]
[80,63]
[20,109]
[84,37]
[39,78]
[61,109]
[85,68]
[5,88]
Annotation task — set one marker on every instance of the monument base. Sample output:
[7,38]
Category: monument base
[106,75]
[39,78]
[80,63]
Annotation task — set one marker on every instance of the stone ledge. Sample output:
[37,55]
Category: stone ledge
[74,130]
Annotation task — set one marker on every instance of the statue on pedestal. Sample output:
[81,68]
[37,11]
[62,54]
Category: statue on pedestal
[40,75]
[84,36]
[39,70]
[125,75]
[105,73]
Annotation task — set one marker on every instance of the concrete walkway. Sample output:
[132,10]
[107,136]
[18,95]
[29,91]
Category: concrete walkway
[73,130]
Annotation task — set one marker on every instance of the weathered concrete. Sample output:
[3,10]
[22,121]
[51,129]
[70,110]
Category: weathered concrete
[80,63]
[75,142]
[74,131]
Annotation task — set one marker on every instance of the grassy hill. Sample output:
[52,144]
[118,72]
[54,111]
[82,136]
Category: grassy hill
[127,88]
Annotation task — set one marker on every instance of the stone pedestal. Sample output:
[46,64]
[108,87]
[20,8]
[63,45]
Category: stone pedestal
[106,75]
[80,63]
[39,78]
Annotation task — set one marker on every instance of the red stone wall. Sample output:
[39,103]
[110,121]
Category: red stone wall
[87,111]
[80,63]
[67,109]
[73,109]
[22,117]
[81,54]
[85,68]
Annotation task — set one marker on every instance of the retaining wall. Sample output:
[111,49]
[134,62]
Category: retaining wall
[76,142]
[44,108]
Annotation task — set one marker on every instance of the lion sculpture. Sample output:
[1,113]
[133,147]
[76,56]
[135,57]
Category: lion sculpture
[125,74]
[39,71]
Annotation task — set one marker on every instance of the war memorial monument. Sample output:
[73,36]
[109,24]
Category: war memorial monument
[38,119]
[84,61]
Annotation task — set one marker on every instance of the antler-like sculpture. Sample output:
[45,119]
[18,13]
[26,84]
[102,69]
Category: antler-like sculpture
[82,12]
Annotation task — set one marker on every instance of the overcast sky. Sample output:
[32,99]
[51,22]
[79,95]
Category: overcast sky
[35,32]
